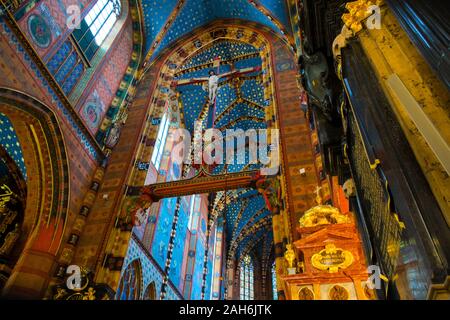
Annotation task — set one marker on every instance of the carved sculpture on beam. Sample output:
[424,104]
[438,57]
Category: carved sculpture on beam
[139,199]
[270,189]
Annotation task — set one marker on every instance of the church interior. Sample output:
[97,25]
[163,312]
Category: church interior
[224,150]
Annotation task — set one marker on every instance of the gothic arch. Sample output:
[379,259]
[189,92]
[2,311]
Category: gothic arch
[182,51]
[150,292]
[46,210]
[203,38]
[174,56]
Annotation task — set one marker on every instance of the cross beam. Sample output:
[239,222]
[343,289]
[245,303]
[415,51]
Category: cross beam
[203,182]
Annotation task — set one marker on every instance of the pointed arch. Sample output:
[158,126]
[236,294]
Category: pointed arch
[150,292]
[46,210]
[246,278]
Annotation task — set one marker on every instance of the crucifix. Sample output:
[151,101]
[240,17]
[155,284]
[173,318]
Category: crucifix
[213,84]
[318,196]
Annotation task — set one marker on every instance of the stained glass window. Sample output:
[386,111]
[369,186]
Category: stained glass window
[96,26]
[194,207]
[130,283]
[246,279]
[160,142]
[274,282]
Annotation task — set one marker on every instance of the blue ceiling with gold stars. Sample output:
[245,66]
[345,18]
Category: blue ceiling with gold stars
[240,104]
[10,142]
[196,13]
[156,13]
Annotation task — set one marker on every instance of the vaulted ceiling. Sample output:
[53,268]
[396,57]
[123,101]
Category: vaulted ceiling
[165,21]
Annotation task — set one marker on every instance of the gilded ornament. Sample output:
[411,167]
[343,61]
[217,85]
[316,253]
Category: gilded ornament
[305,294]
[369,293]
[60,293]
[10,241]
[66,255]
[322,214]
[338,292]
[89,294]
[289,255]
[301,267]
[358,12]
[332,259]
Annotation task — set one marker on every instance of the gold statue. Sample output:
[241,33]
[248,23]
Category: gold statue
[331,259]
[289,255]
[90,294]
[60,292]
[322,214]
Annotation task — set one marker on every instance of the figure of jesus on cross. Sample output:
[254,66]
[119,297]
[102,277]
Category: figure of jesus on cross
[213,84]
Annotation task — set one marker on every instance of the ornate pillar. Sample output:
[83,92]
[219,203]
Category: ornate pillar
[231,283]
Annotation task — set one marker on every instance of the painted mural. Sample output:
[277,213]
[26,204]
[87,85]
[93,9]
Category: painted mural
[45,22]
[205,12]
[42,27]
[93,111]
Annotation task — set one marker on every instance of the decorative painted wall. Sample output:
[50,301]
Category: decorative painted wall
[67,66]
[139,135]
[32,81]
[24,65]
[93,88]
[45,23]
[151,273]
